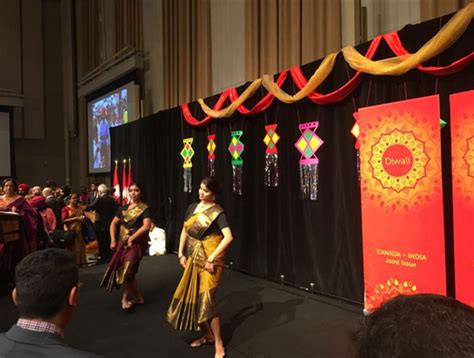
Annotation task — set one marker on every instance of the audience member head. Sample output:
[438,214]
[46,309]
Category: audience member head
[46,286]
[9,186]
[23,189]
[36,190]
[103,190]
[94,187]
[58,193]
[423,325]
[47,192]
[73,200]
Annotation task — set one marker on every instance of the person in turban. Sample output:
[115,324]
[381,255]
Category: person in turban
[23,189]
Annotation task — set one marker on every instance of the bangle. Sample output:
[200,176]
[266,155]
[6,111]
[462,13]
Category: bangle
[180,257]
[210,261]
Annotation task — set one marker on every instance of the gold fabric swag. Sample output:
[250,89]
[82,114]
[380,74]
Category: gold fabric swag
[394,66]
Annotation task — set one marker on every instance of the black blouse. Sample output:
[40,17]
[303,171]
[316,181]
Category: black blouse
[139,222]
[216,226]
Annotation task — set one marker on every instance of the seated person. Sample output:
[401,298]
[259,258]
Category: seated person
[423,325]
[46,297]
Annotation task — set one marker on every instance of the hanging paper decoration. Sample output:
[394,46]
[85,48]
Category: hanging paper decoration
[211,156]
[271,155]
[236,148]
[187,154]
[355,132]
[308,144]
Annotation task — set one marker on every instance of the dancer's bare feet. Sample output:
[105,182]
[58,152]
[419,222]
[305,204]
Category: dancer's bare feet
[126,305]
[220,351]
[201,341]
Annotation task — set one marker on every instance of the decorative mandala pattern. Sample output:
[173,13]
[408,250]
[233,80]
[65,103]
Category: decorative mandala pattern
[399,160]
[462,151]
[400,168]
[469,157]
[386,290]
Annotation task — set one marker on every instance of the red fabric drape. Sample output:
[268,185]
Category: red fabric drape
[196,122]
[395,44]
[342,91]
[264,103]
[232,94]
[393,41]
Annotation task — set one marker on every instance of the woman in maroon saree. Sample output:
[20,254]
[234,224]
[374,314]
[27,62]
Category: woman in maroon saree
[11,253]
[10,201]
[133,222]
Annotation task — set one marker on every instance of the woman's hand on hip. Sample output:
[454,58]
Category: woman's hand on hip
[182,261]
[209,267]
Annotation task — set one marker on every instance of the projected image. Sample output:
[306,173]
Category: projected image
[104,113]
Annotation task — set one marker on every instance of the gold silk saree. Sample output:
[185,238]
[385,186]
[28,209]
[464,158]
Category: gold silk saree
[79,246]
[193,301]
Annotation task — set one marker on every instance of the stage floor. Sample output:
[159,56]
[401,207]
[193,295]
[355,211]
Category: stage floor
[259,318]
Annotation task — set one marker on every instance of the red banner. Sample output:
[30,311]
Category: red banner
[402,199]
[462,151]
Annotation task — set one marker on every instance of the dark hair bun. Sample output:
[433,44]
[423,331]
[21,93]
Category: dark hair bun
[213,184]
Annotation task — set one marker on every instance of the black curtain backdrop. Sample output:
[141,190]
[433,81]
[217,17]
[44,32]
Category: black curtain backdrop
[275,231]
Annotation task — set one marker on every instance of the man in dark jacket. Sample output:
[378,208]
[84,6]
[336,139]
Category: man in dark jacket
[93,194]
[105,208]
[46,297]
[54,204]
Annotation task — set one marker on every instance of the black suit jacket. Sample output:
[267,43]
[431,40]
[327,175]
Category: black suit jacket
[19,342]
[91,196]
[105,208]
[56,205]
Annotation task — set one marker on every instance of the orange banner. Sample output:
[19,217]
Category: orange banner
[462,151]
[402,199]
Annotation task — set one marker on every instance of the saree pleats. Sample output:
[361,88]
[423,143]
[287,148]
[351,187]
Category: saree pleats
[125,261]
[193,301]
[122,267]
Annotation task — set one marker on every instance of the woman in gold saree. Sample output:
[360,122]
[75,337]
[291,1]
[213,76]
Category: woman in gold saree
[133,221]
[206,235]
[73,218]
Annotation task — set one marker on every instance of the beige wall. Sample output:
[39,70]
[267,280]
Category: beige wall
[30,65]
[37,58]
[153,53]
[10,40]
[227,44]
[43,158]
